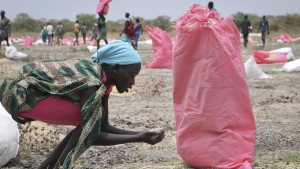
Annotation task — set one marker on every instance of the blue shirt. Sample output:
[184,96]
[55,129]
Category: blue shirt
[264,25]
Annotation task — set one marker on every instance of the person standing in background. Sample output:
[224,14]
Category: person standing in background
[5,29]
[246,28]
[95,32]
[60,31]
[84,31]
[44,34]
[76,32]
[50,33]
[138,30]
[128,31]
[102,35]
[211,6]
[264,28]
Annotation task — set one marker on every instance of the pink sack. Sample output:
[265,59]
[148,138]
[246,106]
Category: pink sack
[285,38]
[215,124]
[28,42]
[162,46]
[265,57]
[100,6]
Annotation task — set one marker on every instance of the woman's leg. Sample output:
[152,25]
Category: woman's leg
[72,141]
[98,44]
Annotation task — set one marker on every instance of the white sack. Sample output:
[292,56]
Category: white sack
[292,66]
[92,49]
[290,55]
[38,42]
[12,53]
[9,137]
[253,71]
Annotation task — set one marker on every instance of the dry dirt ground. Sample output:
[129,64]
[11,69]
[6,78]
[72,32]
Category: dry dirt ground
[276,105]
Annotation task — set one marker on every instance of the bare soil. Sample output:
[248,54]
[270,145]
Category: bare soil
[276,105]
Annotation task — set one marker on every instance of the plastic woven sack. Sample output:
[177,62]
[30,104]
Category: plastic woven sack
[101,7]
[292,66]
[290,55]
[215,124]
[12,53]
[162,46]
[253,71]
[285,38]
[9,137]
[28,42]
[266,57]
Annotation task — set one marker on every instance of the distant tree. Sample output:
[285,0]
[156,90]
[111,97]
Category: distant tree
[88,19]
[25,23]
[114,27]
[254,19]
[289,23]
[163,22]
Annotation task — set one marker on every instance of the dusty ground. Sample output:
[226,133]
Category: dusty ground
[276,105]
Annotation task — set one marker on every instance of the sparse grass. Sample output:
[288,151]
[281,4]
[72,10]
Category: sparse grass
[258,47]
[78,48]
[81,161]
[2,56]
[27,59]
[139,154]
[290,161]
[72,49]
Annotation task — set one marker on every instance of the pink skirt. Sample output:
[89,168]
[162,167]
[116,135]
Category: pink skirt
[54,110]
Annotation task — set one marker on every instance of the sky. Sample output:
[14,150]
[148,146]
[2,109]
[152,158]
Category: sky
[147,9]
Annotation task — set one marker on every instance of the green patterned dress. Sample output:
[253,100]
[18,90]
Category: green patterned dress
[61,78]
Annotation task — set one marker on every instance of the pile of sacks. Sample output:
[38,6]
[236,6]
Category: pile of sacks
[282,55]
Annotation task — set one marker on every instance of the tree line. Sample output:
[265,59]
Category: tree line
[289,23]
[25,23]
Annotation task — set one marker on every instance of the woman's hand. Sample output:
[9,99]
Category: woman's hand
[152,137]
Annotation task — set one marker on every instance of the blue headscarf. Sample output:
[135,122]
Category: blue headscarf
[116,52]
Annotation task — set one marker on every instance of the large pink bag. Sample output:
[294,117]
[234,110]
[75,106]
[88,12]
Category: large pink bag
[162,46]
[215,124]
[101,7]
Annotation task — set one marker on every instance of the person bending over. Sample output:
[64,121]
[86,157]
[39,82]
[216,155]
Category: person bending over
[76,93]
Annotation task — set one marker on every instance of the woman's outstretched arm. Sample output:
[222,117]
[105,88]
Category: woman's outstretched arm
[105,126]
[150,137]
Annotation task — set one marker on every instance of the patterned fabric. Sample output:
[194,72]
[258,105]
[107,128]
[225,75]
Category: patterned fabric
[61,78]
[102,29]
[129,28]
[102,35]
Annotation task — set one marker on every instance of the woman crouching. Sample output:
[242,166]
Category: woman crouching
[76,93]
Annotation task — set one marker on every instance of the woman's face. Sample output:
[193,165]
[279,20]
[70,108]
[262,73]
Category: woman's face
[125,75]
